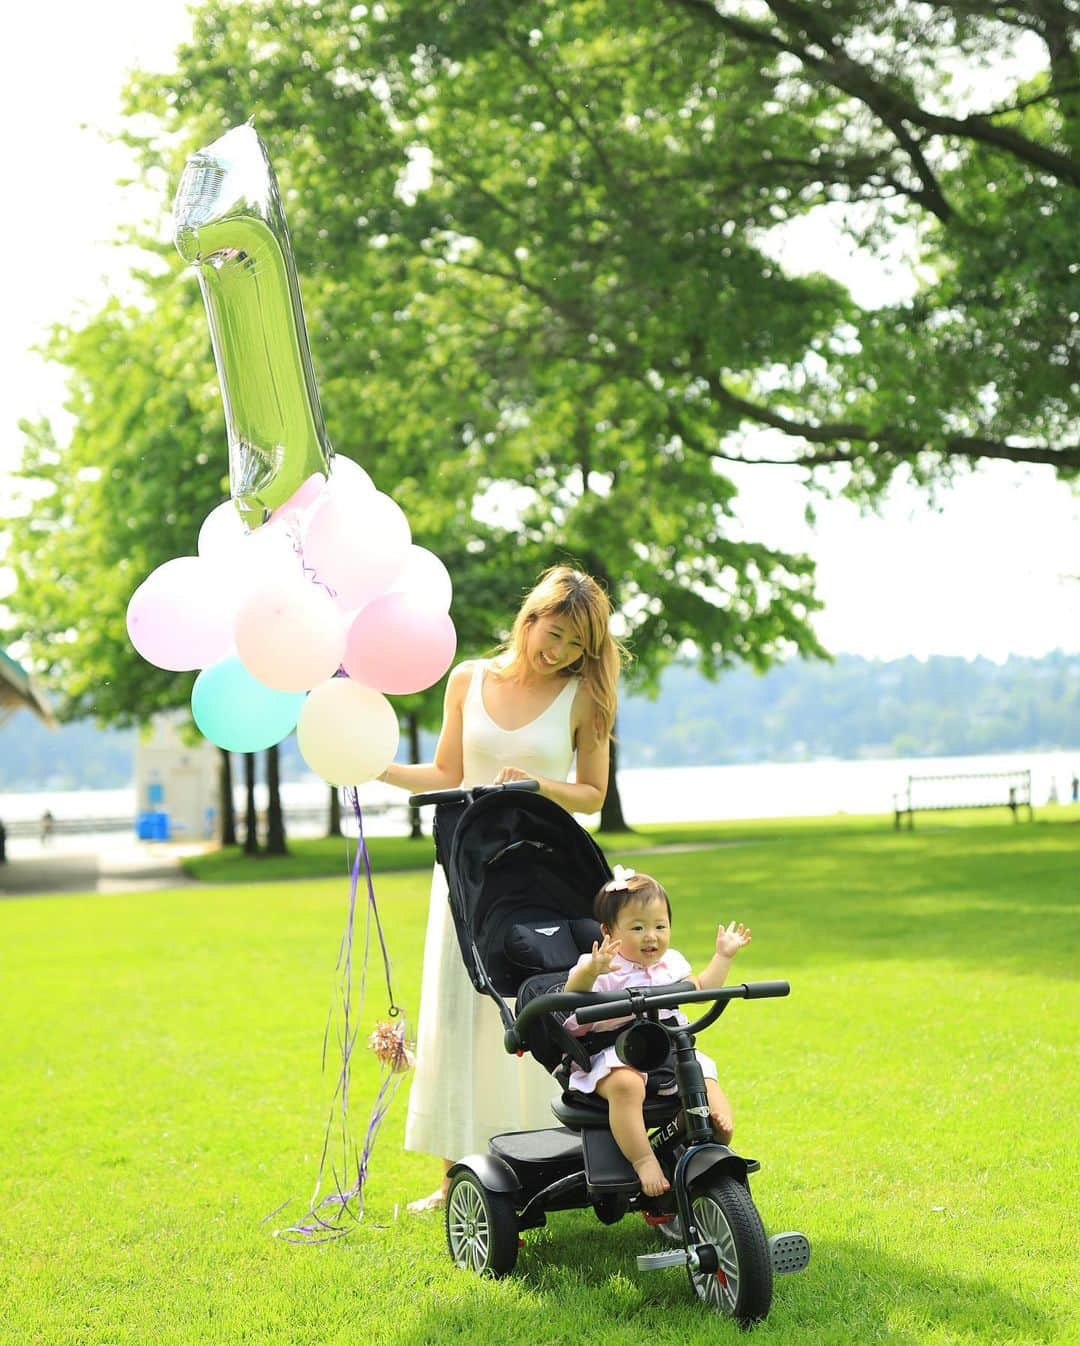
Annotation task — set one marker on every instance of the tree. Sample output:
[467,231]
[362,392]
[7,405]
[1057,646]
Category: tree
[463,390]
[628,171]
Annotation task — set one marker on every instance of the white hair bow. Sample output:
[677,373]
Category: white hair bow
[620,880]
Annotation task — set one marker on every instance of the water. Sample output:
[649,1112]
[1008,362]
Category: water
[649,794]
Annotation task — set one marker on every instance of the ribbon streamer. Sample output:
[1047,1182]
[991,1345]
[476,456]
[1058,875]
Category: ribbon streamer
[337,1212]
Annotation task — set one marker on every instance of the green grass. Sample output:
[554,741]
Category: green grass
[914,1104]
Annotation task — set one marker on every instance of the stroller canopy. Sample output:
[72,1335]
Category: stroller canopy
[522,876]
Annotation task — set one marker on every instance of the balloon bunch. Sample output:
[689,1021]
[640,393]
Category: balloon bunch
[308,572]
[332,584]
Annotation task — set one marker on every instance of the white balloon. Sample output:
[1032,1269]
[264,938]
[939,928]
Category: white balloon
[347,476]
[221,531]
[347,733]
[425,579]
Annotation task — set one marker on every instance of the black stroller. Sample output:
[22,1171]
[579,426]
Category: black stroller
[522,875]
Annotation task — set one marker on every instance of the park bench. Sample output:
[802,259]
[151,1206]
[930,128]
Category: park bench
[968,790]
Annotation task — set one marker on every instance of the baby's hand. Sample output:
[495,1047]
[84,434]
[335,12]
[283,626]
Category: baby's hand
[731,939]
[603,955]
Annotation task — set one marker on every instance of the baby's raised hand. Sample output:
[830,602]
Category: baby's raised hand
[732,938]
[603,954]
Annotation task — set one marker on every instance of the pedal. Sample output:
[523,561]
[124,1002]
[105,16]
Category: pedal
[657,1261]
[789,1252]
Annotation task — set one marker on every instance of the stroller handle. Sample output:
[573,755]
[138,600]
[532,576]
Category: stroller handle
[462,794]
[590,1007]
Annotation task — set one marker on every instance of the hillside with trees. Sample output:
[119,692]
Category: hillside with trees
[796,711]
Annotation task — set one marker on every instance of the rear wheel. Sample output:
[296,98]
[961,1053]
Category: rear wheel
[741,1286]
[481,1227]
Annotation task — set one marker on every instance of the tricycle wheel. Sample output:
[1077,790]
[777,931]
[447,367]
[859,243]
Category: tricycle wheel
[741,1286]
[481,1227]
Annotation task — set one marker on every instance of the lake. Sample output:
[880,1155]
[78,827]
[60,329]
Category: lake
[649,794]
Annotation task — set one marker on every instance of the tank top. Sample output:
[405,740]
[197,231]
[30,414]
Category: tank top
[544,745]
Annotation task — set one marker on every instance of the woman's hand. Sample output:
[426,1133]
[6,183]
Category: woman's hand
[513,773]
[731,939]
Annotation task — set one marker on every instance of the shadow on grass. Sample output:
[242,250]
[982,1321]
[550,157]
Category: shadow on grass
[989,896]
[582,1285]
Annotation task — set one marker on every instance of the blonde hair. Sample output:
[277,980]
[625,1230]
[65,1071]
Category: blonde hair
[576,597]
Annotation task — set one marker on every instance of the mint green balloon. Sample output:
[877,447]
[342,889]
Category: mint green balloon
[238,712]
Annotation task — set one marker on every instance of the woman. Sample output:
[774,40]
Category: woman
[547,700]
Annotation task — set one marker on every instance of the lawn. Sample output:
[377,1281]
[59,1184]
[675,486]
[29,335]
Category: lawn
[914,1105]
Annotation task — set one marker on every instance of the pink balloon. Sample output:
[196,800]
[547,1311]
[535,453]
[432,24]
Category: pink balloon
[181,616]
[300,500]
[397,644]
[290,636]
[424,577]
[357,545]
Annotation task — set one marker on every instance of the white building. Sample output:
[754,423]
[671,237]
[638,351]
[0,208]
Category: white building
[178,779]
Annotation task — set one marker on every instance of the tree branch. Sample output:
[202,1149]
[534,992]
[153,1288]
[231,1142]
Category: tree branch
[831,437]
[893,108]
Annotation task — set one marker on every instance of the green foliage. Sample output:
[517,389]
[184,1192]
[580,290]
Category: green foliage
[538,244]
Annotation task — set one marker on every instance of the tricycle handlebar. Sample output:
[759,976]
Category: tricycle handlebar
[591,1007]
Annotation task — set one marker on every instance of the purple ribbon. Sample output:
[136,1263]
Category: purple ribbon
[339,1211]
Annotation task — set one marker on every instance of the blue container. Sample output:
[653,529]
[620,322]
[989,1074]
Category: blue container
[152,825]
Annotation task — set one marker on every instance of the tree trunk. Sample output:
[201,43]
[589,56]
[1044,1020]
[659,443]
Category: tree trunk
[333,816]
[611,814]
[251,821]
[414,756]
[226,807]
[275,814]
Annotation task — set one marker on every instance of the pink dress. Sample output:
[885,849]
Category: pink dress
[466,1088]
[671,968]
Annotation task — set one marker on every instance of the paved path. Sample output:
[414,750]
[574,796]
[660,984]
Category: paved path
[33,870]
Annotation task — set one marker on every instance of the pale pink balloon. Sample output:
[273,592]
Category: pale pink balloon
[398,644]
[221,531]
[300,500]
[347,734]
[290,636]
[181,616]
[426,578]
[356,548]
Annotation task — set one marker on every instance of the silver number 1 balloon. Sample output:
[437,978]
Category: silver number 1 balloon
[230,223]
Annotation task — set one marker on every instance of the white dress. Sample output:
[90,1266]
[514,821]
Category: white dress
[466,1088]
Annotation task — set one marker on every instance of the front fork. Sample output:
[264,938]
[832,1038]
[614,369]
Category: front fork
[692,1130]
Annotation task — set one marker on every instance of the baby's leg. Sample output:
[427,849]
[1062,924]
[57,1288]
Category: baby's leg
[624,1090]
[720,1115]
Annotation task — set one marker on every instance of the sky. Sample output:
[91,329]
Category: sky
[994,570]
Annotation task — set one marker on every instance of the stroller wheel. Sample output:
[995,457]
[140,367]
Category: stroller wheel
[481,1227]
[741,1287]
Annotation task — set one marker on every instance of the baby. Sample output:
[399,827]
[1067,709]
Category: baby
[635,921]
